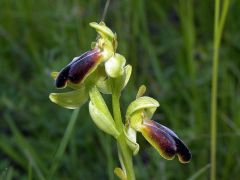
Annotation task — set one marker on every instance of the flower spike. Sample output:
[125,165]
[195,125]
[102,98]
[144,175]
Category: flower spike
[165,141]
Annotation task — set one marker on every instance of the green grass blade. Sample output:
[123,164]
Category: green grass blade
[64,143]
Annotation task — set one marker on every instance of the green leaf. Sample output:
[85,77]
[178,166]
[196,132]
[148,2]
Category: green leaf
[70,100]
[102,121]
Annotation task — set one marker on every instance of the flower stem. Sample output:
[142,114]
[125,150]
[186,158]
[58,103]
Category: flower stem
[121,140]
[219,21]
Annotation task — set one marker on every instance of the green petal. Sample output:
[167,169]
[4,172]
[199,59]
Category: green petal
[102,121]
[70,100]
[141,91]
[114,66]
[147,103]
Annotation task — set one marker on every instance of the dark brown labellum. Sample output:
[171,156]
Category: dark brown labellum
[78,68]
[165,141]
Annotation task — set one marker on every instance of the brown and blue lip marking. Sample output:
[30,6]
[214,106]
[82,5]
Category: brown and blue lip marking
[79,68]
[165,141]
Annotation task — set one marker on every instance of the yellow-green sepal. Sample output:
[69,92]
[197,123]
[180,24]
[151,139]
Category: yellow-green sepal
[103,30]
[102,121]
[148,104]
[115,66]
[104,83]
[72,99]
[131,136]
[100,113]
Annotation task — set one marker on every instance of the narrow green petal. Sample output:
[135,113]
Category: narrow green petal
[102,121]
[70,100]
[141,91]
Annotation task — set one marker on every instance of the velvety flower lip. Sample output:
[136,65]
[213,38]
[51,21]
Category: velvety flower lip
[79,68]
[184,154]
[165,141]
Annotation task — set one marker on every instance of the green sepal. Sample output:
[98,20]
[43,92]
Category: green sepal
[131,136]
[102,121]
[70,100]
[114,66]
[103,30]
[99,107]
[104,83]
[139,109]
[147,103]
[126,76]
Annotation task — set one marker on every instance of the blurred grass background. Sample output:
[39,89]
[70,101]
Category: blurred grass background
[168,43]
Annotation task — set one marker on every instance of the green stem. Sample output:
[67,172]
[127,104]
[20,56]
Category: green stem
[218,28]
[122,144]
